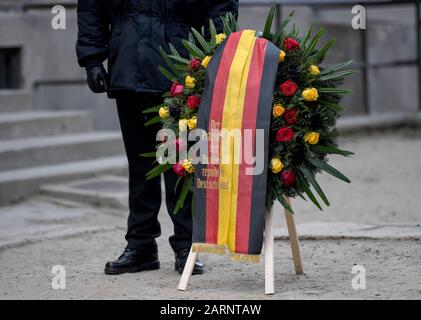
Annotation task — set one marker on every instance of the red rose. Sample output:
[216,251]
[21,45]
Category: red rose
[178,169]
[194,64]
[288,88]
[176,89]
[284,134]
[291,44]
[288,178]
[179,144]
[290,116]
[193,102]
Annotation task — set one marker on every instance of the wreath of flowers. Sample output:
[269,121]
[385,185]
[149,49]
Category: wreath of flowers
[304,112]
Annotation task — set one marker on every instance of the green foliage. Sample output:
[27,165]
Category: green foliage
[154,120]
[269,21]
[157,171]
[148,155]
[318,116]
[205,45]
[193,49]
[187,185]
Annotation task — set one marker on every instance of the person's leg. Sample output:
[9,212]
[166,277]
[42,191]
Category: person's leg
[182,220]
[181,241]
[144,195]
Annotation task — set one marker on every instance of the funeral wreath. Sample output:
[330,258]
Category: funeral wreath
[306,105]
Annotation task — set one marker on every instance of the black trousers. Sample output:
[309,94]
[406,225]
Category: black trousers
[145,195]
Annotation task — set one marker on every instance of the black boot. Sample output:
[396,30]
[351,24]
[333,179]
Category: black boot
[132,261]
[181,259]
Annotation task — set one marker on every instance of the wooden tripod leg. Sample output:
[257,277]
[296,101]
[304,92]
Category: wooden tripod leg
[269,262]
[188,270]
[293,239]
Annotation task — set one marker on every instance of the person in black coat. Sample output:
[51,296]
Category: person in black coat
[128,34]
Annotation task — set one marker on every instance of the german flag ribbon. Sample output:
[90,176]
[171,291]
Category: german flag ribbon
[229,202]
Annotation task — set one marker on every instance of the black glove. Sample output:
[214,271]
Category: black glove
[97,79]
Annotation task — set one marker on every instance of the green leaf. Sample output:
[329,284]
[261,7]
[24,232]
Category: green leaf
[203,43]
[334,90]
[335,75]
[330,149]
[285,204]
[167,74]
[233,22]
[174,50]
[212,31]
[225,22]
[310,178]
[328,169]
[335,67]
[157,171]
[153,109]
[330,105]
[318,56]
[152,121]
[148,155]
[269,22]
[284,23]
[179,178]
[193,49]
[309,50]
[167,60]
[191,38]
[305,187]
[179,59]
[183,194]
[306,37]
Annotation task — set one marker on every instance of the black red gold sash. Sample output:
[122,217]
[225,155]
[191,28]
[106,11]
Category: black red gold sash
[229,203]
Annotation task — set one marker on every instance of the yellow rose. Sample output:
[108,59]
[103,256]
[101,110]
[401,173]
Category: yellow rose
[310,94]
[192,123]
[282,56]
[220,37]
[206,61]
[312,137]
[188,166]
[278,110]
[276,165]
[164,112]
[314,70]
[183,124]
[190,82]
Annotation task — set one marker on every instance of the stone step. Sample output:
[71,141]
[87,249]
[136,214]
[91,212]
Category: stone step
[19,125]
[108,191]
[14,101]
[17,154]
[18,184]
[104,191]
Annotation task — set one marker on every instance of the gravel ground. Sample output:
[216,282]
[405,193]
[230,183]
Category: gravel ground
[40,233]
[385,171]
[392,272]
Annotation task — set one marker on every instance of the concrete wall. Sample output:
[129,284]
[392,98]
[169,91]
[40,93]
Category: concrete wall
[50,69]
[391,37]
[51,73]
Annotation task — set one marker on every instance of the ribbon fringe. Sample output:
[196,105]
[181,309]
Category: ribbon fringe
[241,257]
[209,248]
[221,250]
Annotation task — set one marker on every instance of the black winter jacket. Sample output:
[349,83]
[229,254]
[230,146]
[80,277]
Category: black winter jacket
[129,33]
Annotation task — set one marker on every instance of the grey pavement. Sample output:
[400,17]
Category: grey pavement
[373,222]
